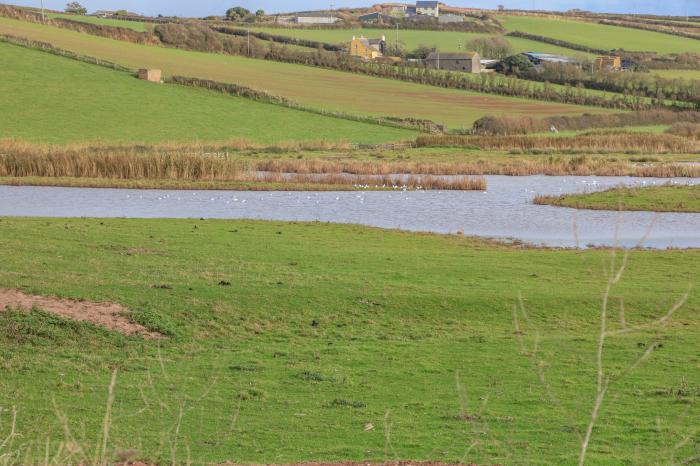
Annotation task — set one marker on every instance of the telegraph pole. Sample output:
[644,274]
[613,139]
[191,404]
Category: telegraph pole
[43,17]
[397,37]
[249,42]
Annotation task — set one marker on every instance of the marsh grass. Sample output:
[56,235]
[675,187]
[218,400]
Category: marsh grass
[664,198]
[211,165]
[197,164]
[606,142]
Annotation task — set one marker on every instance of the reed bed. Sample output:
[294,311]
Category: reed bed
[552,165]
[136,163]
[613,141]
[213,163]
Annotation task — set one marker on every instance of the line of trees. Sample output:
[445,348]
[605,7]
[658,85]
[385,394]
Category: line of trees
[644,84]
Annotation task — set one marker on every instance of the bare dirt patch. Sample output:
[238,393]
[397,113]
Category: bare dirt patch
[109,315]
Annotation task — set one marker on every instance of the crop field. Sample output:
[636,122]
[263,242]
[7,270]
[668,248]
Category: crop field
[318,88]
[600,36]
[446,41]
[56,99]
[334,342]
[135,25]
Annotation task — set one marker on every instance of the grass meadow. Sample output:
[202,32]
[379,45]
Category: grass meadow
[314,87]
[667,198]
[600,36]
[59,100]
[446,41]
[417,351]
[678,74]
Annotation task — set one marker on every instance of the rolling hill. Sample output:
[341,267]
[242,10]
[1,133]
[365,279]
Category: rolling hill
[315,87]
[56,99]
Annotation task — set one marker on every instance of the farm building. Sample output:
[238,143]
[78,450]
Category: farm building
[448,19]
[316,19]
[608,63]
[540,58]
[370,17]
[367,49]
[155,76]
[429,8]
[307,19]
[396,10]
[103,14]
[468,62]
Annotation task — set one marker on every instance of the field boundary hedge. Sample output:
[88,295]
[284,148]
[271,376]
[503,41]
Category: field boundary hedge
[650,28]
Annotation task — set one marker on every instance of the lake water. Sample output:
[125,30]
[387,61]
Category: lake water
[505,211]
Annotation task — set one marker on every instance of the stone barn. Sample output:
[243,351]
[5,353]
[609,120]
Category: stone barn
[155,76]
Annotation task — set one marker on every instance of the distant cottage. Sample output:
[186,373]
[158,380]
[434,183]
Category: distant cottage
[468,62]
[368,49]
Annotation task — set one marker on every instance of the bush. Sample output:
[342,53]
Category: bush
[491,47]
[515,64]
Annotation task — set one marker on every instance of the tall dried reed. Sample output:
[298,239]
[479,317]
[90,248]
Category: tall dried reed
[614,141]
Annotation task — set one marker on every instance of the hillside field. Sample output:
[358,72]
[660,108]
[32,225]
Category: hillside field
[83,102]
[600,36]
[135,25]
[678,74]
[319,88]
[446,41]
[415,353]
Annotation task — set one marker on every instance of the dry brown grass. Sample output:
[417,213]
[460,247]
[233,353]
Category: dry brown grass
[213,163]
[608,142]
[685,129]
[200,163]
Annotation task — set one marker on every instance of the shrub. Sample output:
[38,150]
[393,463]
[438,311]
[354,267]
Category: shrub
[491,47]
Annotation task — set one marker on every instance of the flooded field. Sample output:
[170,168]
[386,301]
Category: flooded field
[505,211]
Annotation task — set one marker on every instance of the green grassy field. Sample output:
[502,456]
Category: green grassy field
[319,88]
[59,100]
[415,355]
[600,36]
[135,25]
[678,74]
[447,41]
[654,199]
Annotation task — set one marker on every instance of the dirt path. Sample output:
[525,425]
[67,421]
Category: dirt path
[109,315]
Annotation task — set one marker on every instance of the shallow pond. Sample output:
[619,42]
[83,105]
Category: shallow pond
[504,211]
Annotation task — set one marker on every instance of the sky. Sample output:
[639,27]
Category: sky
[218,7]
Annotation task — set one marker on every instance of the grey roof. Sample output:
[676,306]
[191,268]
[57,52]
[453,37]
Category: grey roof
[547,57]
[452,56]
[427,4]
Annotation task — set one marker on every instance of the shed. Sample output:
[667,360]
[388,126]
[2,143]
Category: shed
[154,76]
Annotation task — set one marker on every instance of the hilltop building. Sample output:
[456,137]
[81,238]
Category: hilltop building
[429,8]
[368,49]
[307,19]
[468,62]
